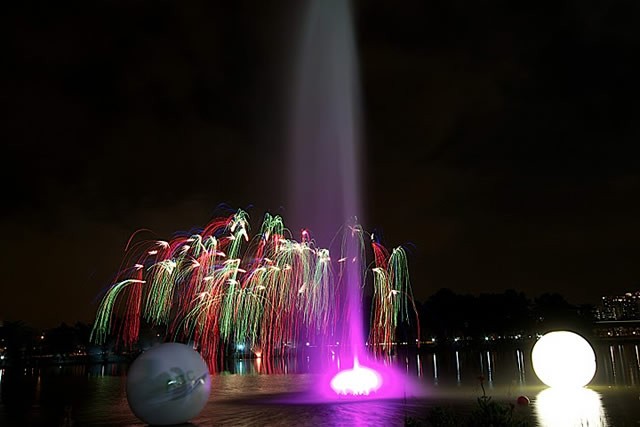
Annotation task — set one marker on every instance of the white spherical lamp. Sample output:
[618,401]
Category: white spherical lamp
[563,359]
[168,384]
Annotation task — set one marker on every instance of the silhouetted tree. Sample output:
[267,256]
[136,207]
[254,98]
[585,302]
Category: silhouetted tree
[553,312]
[447,314]
[508,313]
[60,340]
[18,338]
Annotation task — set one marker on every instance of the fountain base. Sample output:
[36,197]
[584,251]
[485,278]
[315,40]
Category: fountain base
[358,381]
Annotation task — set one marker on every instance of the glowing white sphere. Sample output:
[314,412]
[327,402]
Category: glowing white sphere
[168,384]
[563,359]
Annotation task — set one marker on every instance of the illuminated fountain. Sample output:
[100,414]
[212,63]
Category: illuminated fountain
[325,179]
[222,286]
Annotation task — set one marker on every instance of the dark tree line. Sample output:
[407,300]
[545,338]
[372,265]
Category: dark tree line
[447,315]
[19,340]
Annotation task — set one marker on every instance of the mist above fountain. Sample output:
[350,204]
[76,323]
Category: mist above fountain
[324,151]
[325,162]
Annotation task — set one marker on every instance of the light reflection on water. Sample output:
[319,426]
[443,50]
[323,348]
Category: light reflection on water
[259,392]
[568,408]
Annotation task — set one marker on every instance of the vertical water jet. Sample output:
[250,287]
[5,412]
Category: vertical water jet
[325,144]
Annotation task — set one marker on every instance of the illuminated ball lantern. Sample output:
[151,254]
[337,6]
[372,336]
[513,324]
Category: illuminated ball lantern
[168,384]
[563,359]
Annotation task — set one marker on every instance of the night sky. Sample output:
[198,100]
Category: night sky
[500,138]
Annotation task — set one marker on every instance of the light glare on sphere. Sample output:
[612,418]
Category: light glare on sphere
[168,384]
[563,359]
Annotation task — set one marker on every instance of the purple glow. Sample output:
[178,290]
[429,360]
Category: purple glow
[357,381]
[364,381]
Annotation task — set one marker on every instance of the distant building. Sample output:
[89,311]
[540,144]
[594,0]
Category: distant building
[624,307]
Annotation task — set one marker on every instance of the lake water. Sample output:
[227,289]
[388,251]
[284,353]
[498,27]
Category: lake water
[251,393]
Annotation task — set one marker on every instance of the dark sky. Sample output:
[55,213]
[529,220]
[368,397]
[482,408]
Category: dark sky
[500,138]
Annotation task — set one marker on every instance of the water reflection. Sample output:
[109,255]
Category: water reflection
[618,364]
[267,366]
[31,396]
[566,408]
[489,368]
[521,370]
[435,368]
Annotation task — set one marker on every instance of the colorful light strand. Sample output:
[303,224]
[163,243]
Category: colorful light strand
[220,287]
